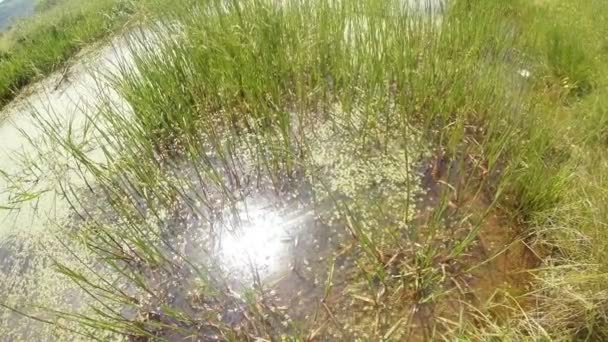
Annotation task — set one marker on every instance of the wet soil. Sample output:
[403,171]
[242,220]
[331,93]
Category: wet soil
[493,273]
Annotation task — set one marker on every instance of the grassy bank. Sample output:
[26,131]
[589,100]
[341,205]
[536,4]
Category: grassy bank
[446,167]
[40,45]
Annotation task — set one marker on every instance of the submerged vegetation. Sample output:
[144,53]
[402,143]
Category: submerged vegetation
[348,170]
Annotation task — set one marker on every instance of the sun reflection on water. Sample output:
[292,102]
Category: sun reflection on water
[260,237]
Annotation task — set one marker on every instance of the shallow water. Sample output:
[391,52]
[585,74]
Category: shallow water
[280,242]
[11,10]
[65,101]
[32,168]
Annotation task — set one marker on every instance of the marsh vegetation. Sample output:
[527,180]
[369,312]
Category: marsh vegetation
[313,170]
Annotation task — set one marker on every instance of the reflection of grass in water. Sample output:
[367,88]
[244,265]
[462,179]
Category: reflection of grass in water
[262,96]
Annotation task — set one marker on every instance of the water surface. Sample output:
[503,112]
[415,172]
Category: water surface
[11,10]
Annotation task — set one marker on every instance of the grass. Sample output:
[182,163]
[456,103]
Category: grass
[452,163]
[43,44]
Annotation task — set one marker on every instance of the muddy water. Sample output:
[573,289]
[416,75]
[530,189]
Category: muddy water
[11,10]
[494,269]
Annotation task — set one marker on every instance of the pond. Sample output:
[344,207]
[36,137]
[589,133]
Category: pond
[283,244]
[10,10]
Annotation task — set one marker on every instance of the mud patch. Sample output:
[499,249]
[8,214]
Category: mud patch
[490,265]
